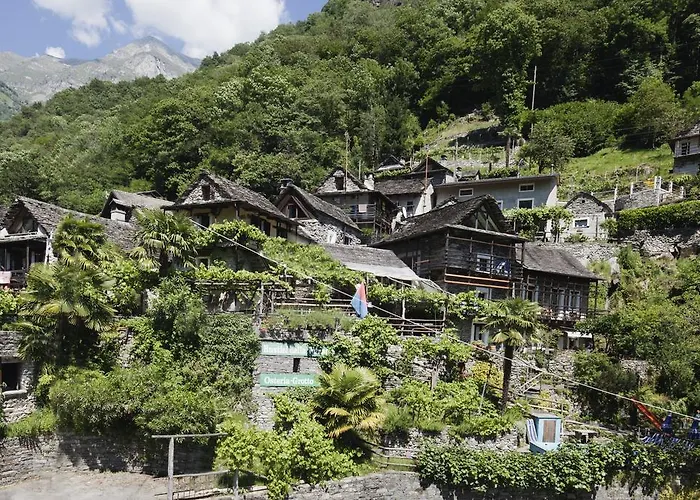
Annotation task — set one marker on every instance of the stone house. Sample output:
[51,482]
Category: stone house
[121,205]
[370,209]
[462,245]
[509,192]
[412,196]
[16,379]
[686,151]
[28,230]
[322,222]
[589,215]
[212,199]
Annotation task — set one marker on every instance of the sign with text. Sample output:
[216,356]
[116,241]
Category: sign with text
[288,380]
[292,349]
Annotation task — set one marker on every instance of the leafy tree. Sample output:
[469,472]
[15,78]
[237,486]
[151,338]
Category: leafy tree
[62,312]
[548,147]
[691,99]
[653,113]
[348,400]
[18,174]
[513,322]
[164,239]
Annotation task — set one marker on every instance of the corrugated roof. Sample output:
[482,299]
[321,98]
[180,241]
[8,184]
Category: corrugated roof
[538,257]
[449,214]
[50,216]
[392,187]
[232,192]
[317,204]
[376,261]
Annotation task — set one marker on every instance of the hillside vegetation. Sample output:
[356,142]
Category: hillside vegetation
[284,105]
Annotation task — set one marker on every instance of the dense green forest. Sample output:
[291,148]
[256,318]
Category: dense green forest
[282,106]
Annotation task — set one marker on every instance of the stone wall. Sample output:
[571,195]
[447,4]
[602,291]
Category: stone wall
[20,403]
[408,446]
[25,458]
[672,243]
[407,486]
[591,251]
[319,231]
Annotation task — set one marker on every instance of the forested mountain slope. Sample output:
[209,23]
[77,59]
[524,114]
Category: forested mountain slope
[281,107]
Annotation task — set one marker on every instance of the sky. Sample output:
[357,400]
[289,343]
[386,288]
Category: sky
[89,29]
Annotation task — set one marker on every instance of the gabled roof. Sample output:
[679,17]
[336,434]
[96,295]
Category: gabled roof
[376,261]
[50,216]
[589,196]
[339,173]
[433,164]
[133,200]
[449,214]
[230,192]
[317,205]
[393,187]
[691,132]
[545,259]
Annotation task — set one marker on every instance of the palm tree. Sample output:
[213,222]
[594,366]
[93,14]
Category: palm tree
[348,400]
[164,239]
[62,311]
[513,322]
[80,242]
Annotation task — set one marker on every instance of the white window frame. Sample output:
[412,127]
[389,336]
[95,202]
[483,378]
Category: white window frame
[489,262]
[195,218]
[684,145]
[532,184]
[500,204]
[531,200]
[586,219]
[471,192]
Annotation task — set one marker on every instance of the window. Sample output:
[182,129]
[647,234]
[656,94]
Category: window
[500,204]
[202,261]
[526,203]
[524,188]
[483,263]
[10,376]
[292,211]
[296,365]
[465,192]
[340,183]
[202,219]
[581,223]
[266,227]
[409,208]
[685,148]
[206,192]
[282,232]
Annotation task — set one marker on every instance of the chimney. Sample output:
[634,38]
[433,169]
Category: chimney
[284,183]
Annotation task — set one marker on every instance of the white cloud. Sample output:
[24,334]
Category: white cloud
[88,17]
[56,52]
[206,26]
[118,25]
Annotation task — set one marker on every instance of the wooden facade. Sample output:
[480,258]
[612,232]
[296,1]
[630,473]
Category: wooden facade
[564,300]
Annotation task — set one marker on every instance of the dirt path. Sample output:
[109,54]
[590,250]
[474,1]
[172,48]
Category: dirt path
[87,486]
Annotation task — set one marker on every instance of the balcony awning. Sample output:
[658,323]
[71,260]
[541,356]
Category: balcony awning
[15,238]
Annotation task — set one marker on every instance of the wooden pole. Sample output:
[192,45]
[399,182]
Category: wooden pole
[171,463]
[235,484]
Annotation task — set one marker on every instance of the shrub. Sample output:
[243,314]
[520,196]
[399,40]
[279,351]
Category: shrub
[40,422]
[673,216]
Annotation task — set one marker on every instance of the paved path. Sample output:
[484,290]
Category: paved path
[87,486]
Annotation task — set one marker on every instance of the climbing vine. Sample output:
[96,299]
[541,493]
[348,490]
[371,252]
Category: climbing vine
[528,221]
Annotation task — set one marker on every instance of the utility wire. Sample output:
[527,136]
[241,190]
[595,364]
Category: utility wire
[437,333]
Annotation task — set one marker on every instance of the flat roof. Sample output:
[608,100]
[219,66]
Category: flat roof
[497,180]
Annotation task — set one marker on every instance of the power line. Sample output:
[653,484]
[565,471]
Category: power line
[437,333]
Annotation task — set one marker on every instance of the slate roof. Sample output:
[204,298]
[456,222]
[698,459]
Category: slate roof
[448,214]
[133,200]
[606,208]
[231,192]
[50,216]
[318,205]
[393,187]
[538,257]
[691,132]
[376,261]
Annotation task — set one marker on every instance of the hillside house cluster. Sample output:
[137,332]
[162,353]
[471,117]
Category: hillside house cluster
[424,230]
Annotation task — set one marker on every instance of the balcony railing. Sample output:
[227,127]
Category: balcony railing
[13,279]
